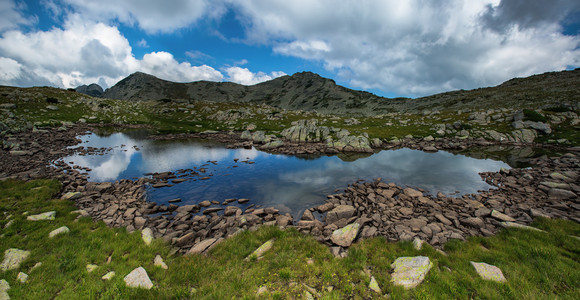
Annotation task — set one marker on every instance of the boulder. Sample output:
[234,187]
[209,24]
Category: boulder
[147,236]
[561,194]
[488,272]
[409,272]
[346,235]
[340,212]
[538,126]
[502,217]
[412,192]
[138,278]
[13,258]
[202,247]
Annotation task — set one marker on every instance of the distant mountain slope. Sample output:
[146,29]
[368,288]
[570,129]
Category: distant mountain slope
[309,91]
[93,90]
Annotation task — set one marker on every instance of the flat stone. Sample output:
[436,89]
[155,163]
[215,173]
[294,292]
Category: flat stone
[412,192]
[71,196]
[374,286]
[158,262]
[61,230]
[443,219]
[488,272]
[205,203]
[502,217]
[108,276]
[474,222]
[406,211]
[409,272]
[47,216]
[147,236]
[22,277]
[202,246]
[210,210]
[346,235]
[138,278]
[561,194]
[517,225]
[258,253]
[537,213]
[13,258]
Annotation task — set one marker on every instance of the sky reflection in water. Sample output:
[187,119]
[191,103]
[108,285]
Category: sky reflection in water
[289,183]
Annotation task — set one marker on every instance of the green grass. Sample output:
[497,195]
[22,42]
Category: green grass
[537,265]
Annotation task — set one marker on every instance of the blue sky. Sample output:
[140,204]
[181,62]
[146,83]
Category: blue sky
[388,47]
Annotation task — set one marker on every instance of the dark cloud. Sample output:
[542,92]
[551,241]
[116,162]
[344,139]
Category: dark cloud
[527,13]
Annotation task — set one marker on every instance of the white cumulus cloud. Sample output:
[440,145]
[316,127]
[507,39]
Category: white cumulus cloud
[246,77]
[84,52]
[418,47]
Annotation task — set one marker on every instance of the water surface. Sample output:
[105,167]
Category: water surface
[289,183]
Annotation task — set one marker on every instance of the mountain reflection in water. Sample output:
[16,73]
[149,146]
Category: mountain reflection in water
[289,183]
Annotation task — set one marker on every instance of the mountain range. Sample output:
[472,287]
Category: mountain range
[311,92]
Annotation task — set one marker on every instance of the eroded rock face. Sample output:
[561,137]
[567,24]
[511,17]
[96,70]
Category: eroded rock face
[306,131]
[409,272]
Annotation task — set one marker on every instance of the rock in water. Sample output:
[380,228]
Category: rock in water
[13,258]
[488,272]
[409,272]
[138,278]
[47,216]
[147,236]
[346,235]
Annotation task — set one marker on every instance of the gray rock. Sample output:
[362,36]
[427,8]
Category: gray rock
[561,194]
[158,262]
[13,258]
[22,277]
[409,272]
[340,212]
[524,135]
[47,216]
[71,196]
[61,230]
[202,247]
[374,286]
[539,126]
[147,236]
[502,217]
[412,192]
[108,276]
[488,272]
[138,278]
[346,235]
[519,226]
[258,253]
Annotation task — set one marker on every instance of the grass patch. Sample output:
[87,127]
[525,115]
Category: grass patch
[536,265]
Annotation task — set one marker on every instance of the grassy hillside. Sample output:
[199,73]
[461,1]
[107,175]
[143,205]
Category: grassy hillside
[536,264]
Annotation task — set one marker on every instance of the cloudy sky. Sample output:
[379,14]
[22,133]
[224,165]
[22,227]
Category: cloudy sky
[388,47]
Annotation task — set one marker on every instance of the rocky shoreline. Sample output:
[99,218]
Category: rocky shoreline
[364,209]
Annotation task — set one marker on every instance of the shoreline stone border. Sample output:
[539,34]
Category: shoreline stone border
[548,189]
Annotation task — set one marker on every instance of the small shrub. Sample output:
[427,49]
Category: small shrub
[51,100]
[533,115]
